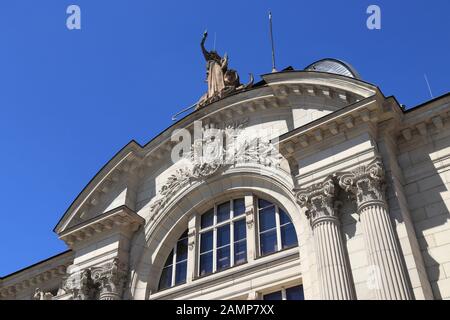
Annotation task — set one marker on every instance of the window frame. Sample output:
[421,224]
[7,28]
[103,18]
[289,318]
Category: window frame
[283,291]
[173,265]
[214,227]
[277,227]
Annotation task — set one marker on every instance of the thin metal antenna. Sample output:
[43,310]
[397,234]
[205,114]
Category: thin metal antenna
[175,116]
[271,41]
[428,84]
[215,41]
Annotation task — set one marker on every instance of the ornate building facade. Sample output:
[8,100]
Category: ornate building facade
[309,184]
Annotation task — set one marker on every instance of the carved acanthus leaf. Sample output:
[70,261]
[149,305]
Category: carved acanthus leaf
[91,283]
[318,199]
[218,159]
[366,182]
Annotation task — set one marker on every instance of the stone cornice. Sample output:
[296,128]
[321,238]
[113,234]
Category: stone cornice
[369,110]
[35,276]
[122,217]
[126,161]
[338,83]
[424,120]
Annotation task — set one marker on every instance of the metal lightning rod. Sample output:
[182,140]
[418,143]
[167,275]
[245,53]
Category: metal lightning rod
[271,41]
[428,84]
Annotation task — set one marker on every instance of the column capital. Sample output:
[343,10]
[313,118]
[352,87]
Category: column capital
[318,199]
[366,183]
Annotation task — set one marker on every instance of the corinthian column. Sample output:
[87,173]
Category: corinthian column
[387,275]
[334,273]
[111,280]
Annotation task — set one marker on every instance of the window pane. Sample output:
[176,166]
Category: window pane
[223,212]
[223,258]
[223,236]
[180,272]
[273,296]
[206,241]
[240,252]
[263,203]
[295,293]
[240,230]
[169,260]
[288,236]
[284,218]
[267,218]
[206,263]
[166,278]
[182,249]
[238,207]
[268,242]
[207,219]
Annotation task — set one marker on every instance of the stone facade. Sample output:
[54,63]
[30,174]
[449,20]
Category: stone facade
[364,183]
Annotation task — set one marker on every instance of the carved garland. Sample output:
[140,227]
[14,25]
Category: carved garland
[254,151]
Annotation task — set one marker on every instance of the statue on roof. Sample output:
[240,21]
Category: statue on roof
[221,80]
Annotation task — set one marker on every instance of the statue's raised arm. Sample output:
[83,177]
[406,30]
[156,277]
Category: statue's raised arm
[202,44]
[221,80]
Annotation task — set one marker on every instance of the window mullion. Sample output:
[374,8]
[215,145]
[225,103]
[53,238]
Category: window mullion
[215,241]
[193,252]
[283,293]
[251,221]
[277,221]
[231,244]
[174,262]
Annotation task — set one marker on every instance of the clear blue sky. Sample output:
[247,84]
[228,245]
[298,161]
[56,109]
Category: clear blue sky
[69,100]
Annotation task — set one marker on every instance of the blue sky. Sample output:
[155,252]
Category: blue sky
[70,99]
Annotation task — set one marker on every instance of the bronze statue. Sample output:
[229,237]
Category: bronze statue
[221,80]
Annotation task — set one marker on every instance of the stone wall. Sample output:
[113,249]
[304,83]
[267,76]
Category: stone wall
[425,162]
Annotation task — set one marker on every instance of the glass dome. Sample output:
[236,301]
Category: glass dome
[333,66]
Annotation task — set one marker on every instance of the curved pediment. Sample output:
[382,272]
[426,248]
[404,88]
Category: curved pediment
[105,187]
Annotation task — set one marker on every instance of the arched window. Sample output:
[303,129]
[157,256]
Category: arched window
[276,231]
[175,268]
[223,237]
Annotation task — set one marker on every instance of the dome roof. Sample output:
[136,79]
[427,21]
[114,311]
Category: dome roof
[333,66]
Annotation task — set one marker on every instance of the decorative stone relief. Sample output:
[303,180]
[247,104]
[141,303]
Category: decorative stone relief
[103,283]
[81,286]
[203,167]
[365,182]
[249,217]
[111,279]
[191,239]
[318,199]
